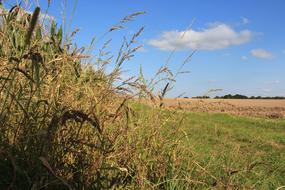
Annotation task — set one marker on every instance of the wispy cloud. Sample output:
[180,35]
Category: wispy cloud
[142,49]
[244,58]
[266,89]
[283,51]
[271,87]
[215,37]
[261,54]
[245,20]
[272,82]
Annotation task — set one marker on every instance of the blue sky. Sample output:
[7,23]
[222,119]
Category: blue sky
[240,43]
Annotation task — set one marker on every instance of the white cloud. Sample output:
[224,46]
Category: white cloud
[270,83]
[215,37]
[266,89]
[142,49]
[244,58]
[283,51]
[261,53]
[244,20]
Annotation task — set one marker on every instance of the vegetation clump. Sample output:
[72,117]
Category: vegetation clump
[64,122]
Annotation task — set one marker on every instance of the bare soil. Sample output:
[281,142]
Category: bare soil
[273,109]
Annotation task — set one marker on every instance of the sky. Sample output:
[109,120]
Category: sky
[240,43]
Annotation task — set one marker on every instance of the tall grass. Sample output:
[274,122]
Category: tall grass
[64,122]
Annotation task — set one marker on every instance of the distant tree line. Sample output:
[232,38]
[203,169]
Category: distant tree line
[239,96]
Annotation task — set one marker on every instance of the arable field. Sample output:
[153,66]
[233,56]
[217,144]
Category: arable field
[256,108]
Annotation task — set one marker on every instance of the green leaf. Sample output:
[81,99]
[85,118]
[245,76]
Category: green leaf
[52,28]
[141,76]
[59,34]
[39,33]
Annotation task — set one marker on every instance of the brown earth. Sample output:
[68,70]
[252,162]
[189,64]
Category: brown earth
[258,108]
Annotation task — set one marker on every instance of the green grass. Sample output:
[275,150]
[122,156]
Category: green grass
[235,143]
[230,151]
